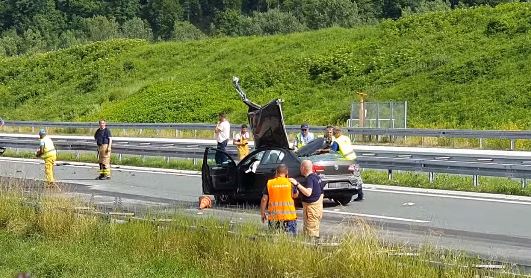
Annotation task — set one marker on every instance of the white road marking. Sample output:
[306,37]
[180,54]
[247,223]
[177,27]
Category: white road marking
[449,196]
[377,216]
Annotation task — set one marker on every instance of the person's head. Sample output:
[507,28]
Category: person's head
[222,117]
[42,133]
[281,171]
[337,132]
[304,129]
[329,131]
[102,123]
[306,167]
[244,129]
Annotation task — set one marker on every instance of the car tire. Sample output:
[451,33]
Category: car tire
[343,200]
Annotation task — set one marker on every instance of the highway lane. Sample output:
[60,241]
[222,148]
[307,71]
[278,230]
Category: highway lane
[493,227]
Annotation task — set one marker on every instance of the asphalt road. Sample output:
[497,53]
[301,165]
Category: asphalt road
[497,227]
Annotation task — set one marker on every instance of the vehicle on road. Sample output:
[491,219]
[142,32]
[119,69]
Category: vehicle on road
[230,181]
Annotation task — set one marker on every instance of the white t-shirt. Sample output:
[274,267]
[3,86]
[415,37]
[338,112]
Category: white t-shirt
[238,136]
[224,133]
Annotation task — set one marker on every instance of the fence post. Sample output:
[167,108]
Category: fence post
[475,180]
[524,183]
[431,177]
[389,174]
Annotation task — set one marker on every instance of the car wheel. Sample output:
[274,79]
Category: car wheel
[343,200]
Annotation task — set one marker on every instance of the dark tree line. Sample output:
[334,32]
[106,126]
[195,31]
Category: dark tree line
[38,25]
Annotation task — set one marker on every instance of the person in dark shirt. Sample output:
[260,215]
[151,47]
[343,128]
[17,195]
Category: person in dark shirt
[311,194]
[103,139]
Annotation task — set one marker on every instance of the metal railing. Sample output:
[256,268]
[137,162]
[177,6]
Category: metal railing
[392,132]
[476,163]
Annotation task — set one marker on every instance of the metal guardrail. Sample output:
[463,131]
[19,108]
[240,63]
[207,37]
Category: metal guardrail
[463,162]
[415,132]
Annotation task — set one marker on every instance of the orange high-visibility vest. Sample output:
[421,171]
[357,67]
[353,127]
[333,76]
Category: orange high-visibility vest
[281,206]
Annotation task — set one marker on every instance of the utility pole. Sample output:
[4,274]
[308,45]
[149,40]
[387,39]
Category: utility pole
[362,96]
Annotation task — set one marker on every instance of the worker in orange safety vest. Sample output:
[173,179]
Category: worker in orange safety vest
[277,205]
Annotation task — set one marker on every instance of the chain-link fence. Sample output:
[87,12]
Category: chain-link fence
[379,114]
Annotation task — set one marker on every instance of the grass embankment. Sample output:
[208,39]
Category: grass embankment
[408,179]
[467,68]
[48,237]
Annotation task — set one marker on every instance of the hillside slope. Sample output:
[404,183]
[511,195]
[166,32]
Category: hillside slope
[464,68]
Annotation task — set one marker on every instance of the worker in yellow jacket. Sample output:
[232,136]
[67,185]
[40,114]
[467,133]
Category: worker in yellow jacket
[48,153]
[277,199]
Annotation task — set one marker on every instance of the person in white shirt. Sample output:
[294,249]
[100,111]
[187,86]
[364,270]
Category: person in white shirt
[222,132]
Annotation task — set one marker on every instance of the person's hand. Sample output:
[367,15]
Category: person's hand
[264,217]
[293,181]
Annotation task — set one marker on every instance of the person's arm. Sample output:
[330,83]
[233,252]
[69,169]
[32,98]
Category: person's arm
[304,190]
[110,140]
[236,140]
[334,147]
[263,207]
[294,193]
[41,149]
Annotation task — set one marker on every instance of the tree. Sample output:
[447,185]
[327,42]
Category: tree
[318,14]
[9,43]
[162,15]
[277,22]
[136,28]
[100,28]
[184,31]
[122,10]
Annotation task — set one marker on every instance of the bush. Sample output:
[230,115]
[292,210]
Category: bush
[136,28]
[184,31]
[100,28]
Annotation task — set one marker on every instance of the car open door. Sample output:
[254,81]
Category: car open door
[218,172]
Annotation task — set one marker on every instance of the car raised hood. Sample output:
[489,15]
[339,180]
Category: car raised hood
[266,122]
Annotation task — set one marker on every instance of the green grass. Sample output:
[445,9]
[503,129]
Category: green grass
[467,68]
[45,236]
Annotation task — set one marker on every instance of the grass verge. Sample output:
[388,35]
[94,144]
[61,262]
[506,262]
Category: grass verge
[46,236]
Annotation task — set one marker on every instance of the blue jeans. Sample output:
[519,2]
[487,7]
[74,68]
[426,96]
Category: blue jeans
[289,227]
[221,157]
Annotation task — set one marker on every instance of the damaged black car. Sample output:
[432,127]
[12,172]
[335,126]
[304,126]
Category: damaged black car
[245,181]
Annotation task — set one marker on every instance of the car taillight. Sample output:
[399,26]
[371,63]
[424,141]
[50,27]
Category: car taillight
[318,168]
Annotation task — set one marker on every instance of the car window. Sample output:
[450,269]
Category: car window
[255,157]
[273,157]
[217,158]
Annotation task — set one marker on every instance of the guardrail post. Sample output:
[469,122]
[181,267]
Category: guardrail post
[120,157]
[475,180]
[194,161]
[481,143]
[390,174]
[77,155]
[431,177]
[167,159]
[524,183]
[176,133]
[512,144]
